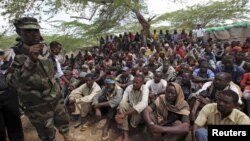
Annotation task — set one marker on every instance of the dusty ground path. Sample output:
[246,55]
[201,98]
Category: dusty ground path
[92,134]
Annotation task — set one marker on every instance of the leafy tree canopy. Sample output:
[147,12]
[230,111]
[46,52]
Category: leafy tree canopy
[99,17]
[104,14]
[208,14]
[69,43]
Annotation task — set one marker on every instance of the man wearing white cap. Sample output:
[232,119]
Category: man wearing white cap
[124,79]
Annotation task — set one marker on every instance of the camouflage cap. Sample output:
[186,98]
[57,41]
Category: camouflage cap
[27,23]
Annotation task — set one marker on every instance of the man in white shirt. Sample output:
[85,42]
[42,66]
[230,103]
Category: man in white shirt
[199,32]
[134,101]
[156,86]
[55,48]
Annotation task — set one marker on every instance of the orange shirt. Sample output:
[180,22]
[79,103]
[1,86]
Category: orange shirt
[244,79]
[236,49]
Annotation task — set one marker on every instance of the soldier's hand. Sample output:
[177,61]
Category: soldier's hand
[35,50]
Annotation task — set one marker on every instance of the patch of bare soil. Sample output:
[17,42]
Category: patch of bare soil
[94,133]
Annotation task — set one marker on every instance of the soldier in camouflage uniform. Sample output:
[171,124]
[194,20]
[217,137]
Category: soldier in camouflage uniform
[34,78]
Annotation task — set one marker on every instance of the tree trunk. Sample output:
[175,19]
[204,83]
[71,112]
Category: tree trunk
[145,26]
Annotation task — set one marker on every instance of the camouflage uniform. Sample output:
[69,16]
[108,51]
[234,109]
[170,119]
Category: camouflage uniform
[39,92]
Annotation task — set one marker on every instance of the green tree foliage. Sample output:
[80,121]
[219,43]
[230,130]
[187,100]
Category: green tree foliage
[112,16]
[105,15]
[69,43]
[211,13]
[7,42]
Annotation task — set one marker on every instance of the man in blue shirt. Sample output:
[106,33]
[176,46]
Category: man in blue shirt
[228,65]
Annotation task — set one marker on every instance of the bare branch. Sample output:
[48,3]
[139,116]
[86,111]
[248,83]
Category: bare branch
[80,17]
[90,18]
[93,13]
[3,33]
[150,19]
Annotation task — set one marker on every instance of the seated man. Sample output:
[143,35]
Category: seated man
[156,86]
[203,74]
[125,78]
[105,104]
[148,75]
[223,112]
[186,83]
[134,101]
[169,73]
[209,55]
[80,98]
[208,92]
[169,115]
[152,65]
[228,65]
[245,85]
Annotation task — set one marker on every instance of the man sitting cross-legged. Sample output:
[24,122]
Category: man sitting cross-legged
[168,117]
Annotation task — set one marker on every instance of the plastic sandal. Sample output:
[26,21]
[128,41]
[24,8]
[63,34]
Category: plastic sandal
[104,138]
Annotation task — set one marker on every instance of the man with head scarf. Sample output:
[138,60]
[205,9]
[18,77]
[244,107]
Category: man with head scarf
[168,115]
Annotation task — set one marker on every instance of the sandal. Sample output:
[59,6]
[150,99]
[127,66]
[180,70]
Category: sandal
[104,138]
[85,126]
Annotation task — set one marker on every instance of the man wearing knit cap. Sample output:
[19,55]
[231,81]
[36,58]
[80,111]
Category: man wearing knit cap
[105,104]
[34,79]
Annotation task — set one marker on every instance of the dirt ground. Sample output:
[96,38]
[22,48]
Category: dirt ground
[92,134]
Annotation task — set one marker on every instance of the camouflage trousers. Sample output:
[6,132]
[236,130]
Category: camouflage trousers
[45,117]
